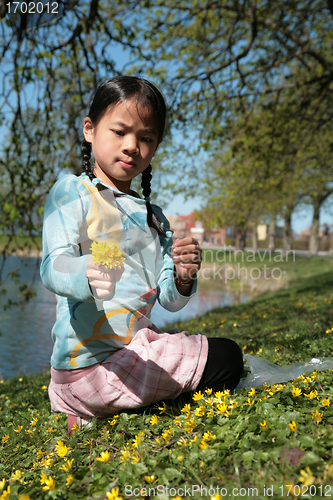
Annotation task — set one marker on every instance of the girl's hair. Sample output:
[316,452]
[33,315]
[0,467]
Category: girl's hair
[120,89]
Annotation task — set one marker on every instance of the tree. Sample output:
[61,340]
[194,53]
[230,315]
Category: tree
[273,163]
[49,71]
[227,56]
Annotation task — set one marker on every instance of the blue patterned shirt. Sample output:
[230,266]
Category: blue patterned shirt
[79,211]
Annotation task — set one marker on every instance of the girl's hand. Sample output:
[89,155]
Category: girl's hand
[102,279]
[187,256]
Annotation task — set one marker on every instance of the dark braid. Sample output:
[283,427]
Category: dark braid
[152,220]
[86,155]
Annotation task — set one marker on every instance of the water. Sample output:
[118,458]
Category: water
[26,345]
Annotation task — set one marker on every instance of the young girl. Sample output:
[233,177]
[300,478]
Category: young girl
[107,354]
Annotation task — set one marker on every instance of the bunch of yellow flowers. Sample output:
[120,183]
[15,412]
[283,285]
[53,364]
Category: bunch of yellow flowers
[107,255]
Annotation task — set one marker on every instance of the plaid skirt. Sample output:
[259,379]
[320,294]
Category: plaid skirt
[152,367]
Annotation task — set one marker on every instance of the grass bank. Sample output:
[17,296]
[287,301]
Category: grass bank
[273,442]
[258,272]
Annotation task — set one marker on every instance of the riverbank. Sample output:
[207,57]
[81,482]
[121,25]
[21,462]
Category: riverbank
[260,272]
[276,441]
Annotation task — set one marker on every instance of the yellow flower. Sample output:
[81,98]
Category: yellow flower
[307,477]
[113,494]
[114,420]
[49,429]
[46,462]
[260,351]
[177,422]
[19,428]
[182,442]
[125,455]
[105,455]
[61,449]
[325,402]
[107,255]
[312,395]
[210,413]
[34,421]
[233,404]
[216,497]
[199,412]
[5,494]
[293,426]
[162,408]
[44,387]
[249,402]
[296,392]
[5,438]
[180,458]
[136,441]
[207,436]
[222,408]
[317,416]
[194,440]
[75,427]
[197,396]
[105,432]
[16,476]
[67,466]
[154,420]
[69,480]
[2,483]
[48,482]
[167,434]
[203,445]
[252,391]
[263,425]
[135,458]
[149,479]
[186,409]
[208,391]
[189,426]
[23,497]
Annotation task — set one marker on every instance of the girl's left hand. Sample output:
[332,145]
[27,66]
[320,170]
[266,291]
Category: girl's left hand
[187,256]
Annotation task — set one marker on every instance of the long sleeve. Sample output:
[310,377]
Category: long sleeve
[63,266]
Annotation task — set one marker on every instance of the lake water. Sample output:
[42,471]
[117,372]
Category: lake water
[25,343]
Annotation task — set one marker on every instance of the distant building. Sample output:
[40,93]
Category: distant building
[186,225]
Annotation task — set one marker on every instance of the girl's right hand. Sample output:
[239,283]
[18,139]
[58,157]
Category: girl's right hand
[102,280]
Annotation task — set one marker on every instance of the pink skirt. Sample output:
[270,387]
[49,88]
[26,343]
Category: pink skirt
[152,367]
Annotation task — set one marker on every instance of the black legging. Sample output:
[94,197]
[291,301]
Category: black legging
[224,365]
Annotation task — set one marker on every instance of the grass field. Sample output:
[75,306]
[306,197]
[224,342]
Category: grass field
[272,442]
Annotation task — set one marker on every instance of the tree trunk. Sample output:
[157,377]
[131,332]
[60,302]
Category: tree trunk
[287,233]
[255,239]
[314,240]
[271,233]
[240,238]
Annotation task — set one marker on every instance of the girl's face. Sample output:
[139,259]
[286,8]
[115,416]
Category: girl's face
[123,143]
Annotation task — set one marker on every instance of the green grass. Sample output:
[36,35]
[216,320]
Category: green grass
[241,441]
[259,271]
